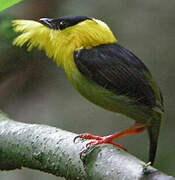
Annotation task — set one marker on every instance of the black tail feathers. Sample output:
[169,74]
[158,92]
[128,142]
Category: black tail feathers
[153,131]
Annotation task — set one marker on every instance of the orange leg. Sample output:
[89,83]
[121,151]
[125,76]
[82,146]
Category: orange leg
[135,129]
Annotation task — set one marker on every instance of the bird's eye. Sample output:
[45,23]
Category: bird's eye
[62,25]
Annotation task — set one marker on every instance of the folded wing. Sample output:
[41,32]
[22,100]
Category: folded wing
[120,71]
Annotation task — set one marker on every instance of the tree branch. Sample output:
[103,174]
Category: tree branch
[52,150]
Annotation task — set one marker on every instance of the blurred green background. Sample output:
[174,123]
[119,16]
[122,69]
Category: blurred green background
[34,90]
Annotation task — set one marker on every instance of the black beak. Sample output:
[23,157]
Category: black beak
[47,22]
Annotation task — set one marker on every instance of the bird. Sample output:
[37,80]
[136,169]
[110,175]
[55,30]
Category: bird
[102,70]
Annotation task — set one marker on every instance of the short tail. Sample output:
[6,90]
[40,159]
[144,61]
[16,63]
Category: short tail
[153,131]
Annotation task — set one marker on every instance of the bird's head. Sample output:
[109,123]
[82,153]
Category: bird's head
[60,37]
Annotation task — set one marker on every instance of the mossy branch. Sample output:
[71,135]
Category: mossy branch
[52,150]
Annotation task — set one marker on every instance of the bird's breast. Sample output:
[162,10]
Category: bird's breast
[87,88]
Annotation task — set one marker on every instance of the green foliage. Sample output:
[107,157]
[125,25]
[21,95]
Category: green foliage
[4,4]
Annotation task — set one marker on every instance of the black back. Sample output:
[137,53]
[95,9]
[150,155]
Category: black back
[118,70]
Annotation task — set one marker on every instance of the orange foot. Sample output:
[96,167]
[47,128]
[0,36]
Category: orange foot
[135,129]
[99,140]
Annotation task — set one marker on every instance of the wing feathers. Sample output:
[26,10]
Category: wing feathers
[118,70]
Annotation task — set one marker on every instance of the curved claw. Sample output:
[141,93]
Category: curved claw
[86,150]
[75,138]
[87,136]
[81,136]
[81,153]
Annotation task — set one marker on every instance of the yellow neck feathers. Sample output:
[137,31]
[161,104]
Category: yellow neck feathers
[60,45]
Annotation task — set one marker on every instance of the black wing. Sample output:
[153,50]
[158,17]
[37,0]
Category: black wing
[118,70]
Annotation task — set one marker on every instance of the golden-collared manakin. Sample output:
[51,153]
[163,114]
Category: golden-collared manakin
[101,70]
